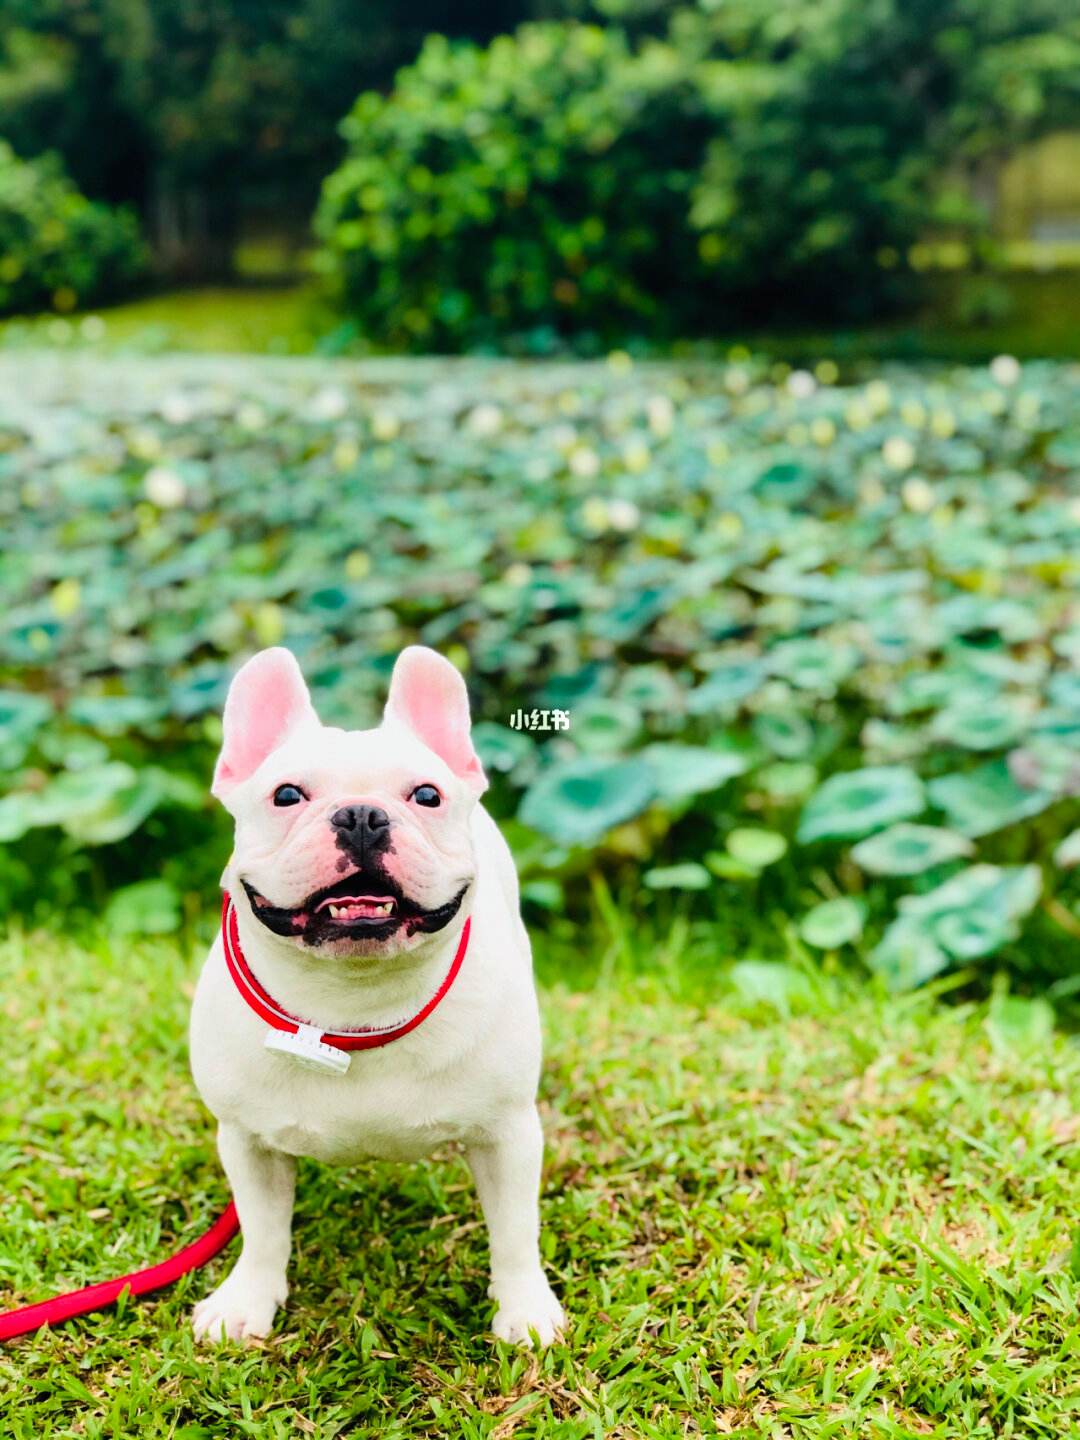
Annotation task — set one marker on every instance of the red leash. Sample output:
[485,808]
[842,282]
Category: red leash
[97,1297]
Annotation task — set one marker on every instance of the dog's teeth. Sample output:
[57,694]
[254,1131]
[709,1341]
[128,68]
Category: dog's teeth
[333,912]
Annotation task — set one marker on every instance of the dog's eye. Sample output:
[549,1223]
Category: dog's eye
[426,795]
[288,795]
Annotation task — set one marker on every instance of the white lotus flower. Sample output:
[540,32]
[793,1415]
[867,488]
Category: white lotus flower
[661,413]
[485,420]
[801,384]
[1005,369]
[623,514]
[164,487]
[584,462]
[898,452]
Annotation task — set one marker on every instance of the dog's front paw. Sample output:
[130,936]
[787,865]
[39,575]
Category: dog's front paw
[241,1308]
[527,1307]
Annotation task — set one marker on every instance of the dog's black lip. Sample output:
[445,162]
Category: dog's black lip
[306,922]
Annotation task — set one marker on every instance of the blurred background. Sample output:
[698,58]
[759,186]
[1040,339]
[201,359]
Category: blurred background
[544,174]
[703,370]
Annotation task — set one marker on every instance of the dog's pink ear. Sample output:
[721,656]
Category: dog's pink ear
[428,695]
[267,700]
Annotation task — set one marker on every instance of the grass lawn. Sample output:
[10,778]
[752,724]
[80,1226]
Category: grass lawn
[1039,317]
[776,1204]
[251,319]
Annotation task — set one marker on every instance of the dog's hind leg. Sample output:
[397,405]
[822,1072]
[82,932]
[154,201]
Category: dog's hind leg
[263,1182]
[506,1168]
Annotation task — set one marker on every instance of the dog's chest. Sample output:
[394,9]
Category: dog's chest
[383,1112]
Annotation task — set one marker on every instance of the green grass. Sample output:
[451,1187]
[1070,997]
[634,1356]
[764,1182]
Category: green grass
[1029,313]
[250,319]
[821,1214]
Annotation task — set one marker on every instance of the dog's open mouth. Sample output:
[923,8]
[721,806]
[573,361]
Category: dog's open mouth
[361,906]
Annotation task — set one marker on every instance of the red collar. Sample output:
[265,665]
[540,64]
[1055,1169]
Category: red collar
[299,1038]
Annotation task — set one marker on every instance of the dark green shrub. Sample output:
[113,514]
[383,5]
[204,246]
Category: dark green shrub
[753,163]
[57,248]
[540,185]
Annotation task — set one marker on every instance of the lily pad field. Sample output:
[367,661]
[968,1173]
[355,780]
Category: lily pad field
[814,638]
[776,678]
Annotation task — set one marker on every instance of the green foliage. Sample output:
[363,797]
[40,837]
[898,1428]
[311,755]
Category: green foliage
[198,113]
[149,907]
[57,248]
[736,162]
[773,1200]
[970,915]
[832,923]
[756,594]
[534,186]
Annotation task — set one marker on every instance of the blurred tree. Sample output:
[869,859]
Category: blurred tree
[57,247]
[536,187]
[197,108]
[728,160]
[805,146]
[886,121]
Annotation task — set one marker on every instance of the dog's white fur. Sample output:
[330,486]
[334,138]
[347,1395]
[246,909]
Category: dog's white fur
[468,1073]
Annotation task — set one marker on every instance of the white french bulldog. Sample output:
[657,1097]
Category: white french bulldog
[371,993]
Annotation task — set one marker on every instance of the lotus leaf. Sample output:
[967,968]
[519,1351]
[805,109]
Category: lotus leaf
[683,770]
[976,911]
[756,848]
[832,923]
[966,934]
[75,797]
[650,688]
[980,801]
[21,714]
[787,781]
[18,814]
[115,714]
[724,864]
[505,751]
[790,735]
[934,689]
[687,876]
[990,726]
[1064,689]
[726,687]
[577,801]
[907,956]
[652,548]
[1009,891]
[605,727]
[907,849]
[852,804]
[813,664]
[149,907]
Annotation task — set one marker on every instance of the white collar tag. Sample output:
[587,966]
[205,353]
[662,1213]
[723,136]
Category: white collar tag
[307,1048]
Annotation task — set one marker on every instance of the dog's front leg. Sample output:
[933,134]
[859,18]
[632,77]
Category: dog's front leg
[506,1168]
[263,1182]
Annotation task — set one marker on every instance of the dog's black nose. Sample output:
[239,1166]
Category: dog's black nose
[365,821]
